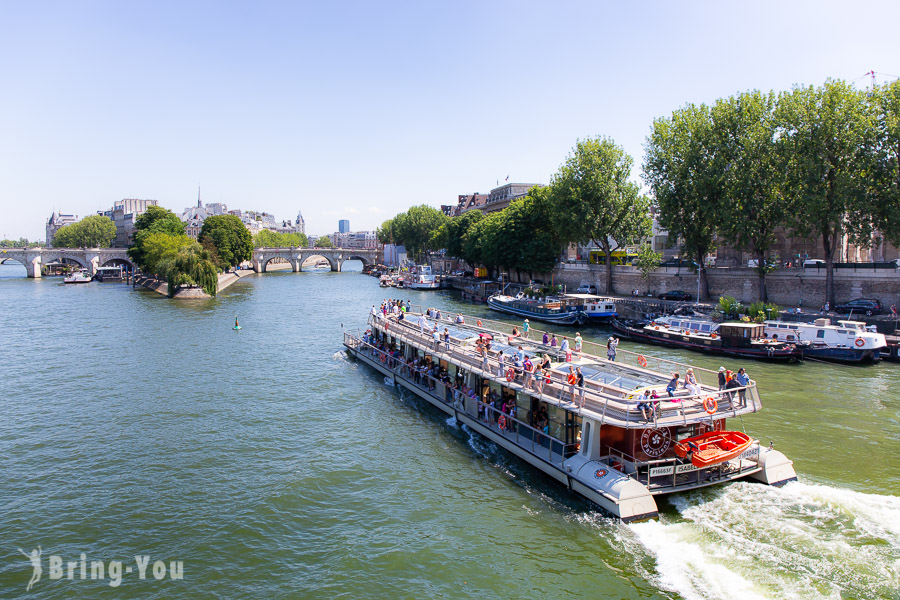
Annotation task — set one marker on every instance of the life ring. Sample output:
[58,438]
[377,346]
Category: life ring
[642,361]
[710,405]
[479,322]
[860,342]
[501,422]
[510,374]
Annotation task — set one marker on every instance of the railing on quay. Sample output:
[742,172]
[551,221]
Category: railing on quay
[556,450]
[623,411]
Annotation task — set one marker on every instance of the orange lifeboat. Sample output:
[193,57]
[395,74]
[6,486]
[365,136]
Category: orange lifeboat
[713,447]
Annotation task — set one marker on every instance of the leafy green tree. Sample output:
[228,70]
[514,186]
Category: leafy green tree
[158,248]
[228,235]
[19,243]
[191,265]
[155,219]
[596,201]
[323,241]
[683,172]
[482,243]
[885,182]
[529,240]
[745,138]
[267,238]
[95,231]
[829,139]
[647,260]
[416,227]
[385,233]
[449,235]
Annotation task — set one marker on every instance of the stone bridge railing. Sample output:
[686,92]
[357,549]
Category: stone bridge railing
[297,256]
[88,258]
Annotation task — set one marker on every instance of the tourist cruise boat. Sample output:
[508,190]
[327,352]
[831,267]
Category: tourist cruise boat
[78,277]
[744,340]
[422,279]
[848,341]
[614,450]
[561,310]
[596,308]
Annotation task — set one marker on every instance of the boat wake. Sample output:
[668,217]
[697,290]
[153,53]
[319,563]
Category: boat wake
[753,541]
[389,381]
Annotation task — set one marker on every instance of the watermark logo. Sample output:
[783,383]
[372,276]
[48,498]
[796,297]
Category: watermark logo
[98,570]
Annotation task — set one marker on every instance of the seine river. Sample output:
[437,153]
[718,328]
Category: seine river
[271,466]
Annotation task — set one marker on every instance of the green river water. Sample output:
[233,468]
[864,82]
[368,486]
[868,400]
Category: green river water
[272,466]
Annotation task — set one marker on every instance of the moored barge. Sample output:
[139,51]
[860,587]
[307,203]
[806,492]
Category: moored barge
[612,445]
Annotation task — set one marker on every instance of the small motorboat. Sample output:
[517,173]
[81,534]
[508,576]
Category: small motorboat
[713,447]
[78,277]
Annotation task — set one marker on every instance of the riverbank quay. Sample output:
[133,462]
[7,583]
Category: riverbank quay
[791,287]
[161,287]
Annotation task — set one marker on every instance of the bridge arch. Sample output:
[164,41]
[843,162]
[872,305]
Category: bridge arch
[365,260]
[278,258]
[65,259]
[118,262]
[332,264]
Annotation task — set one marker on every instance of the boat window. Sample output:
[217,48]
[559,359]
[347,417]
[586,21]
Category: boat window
[792,327]
[790,337]
[820,333]
[843,331]
[585,438]
[704,327]
[684,432]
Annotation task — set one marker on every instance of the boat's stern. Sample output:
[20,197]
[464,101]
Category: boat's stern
[612,489]
[775,468]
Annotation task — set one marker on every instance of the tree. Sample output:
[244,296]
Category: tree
[680,169]
[228,235]
[323,241]
[595,201]
[158,248]
[155,219]
[829,141]
[266,238]
[483,241]
[745,138]
[95,231]
[647,260]
[385,233]
[885,188]
[191,265]
[416,227]
[529,239]
[449,235]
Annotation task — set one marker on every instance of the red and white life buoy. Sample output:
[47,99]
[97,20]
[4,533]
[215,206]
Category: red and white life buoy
[860,342]
[510,374]
[642,361]
[501,422]
[710,405]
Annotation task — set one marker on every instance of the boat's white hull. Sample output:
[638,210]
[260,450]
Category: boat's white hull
[418,285]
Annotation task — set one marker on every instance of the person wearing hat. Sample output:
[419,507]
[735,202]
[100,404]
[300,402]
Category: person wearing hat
[722,381]
[611,345]
[525,328]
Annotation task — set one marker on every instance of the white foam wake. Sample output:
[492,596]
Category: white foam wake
[753,541]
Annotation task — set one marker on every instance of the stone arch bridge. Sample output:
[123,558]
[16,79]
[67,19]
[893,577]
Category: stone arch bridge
[297,256]
[90,259]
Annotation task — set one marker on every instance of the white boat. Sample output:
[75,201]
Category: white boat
[422,279]
[848,341]
[78,277]
[596,307]
[609,449]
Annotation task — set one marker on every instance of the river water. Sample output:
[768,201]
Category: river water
[272,466]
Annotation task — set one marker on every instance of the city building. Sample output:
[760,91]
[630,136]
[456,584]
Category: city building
[344,226]
[194,216]
[124,213]
[500,197]
[56,221]
[355,239]
[300,223]
[464,202]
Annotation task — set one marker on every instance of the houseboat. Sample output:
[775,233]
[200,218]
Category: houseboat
[744,340]
[848,341]
[479,290]
[596,308]
[421,279]
[611,445]
[560,310]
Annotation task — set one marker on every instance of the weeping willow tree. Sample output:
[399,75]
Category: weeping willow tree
[191,265]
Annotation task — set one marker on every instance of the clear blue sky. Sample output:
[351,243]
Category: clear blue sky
[360,109]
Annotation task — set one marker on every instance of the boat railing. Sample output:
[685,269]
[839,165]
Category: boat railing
[655,473]
[542,445]
[619,408]
[535,337]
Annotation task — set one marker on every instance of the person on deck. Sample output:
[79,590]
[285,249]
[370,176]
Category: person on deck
[546,339]
[572,380]
[722,381]
[743,380]
[525,328]
[673,385]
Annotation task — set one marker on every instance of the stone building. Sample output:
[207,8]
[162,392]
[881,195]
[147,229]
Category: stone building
[124,213]
[56,221]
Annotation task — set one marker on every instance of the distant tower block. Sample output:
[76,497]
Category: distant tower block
[344,226]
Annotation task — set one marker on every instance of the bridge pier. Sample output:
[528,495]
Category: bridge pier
[296,264]
[33,267]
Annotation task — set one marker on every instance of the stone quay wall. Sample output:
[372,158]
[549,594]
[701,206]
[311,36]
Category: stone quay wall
[787,287]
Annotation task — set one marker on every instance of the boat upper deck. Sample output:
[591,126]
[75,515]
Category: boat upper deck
[611,388]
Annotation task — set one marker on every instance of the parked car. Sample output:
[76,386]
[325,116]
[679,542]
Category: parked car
[813,262]
[676,295]
[586,289]
[866,306]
